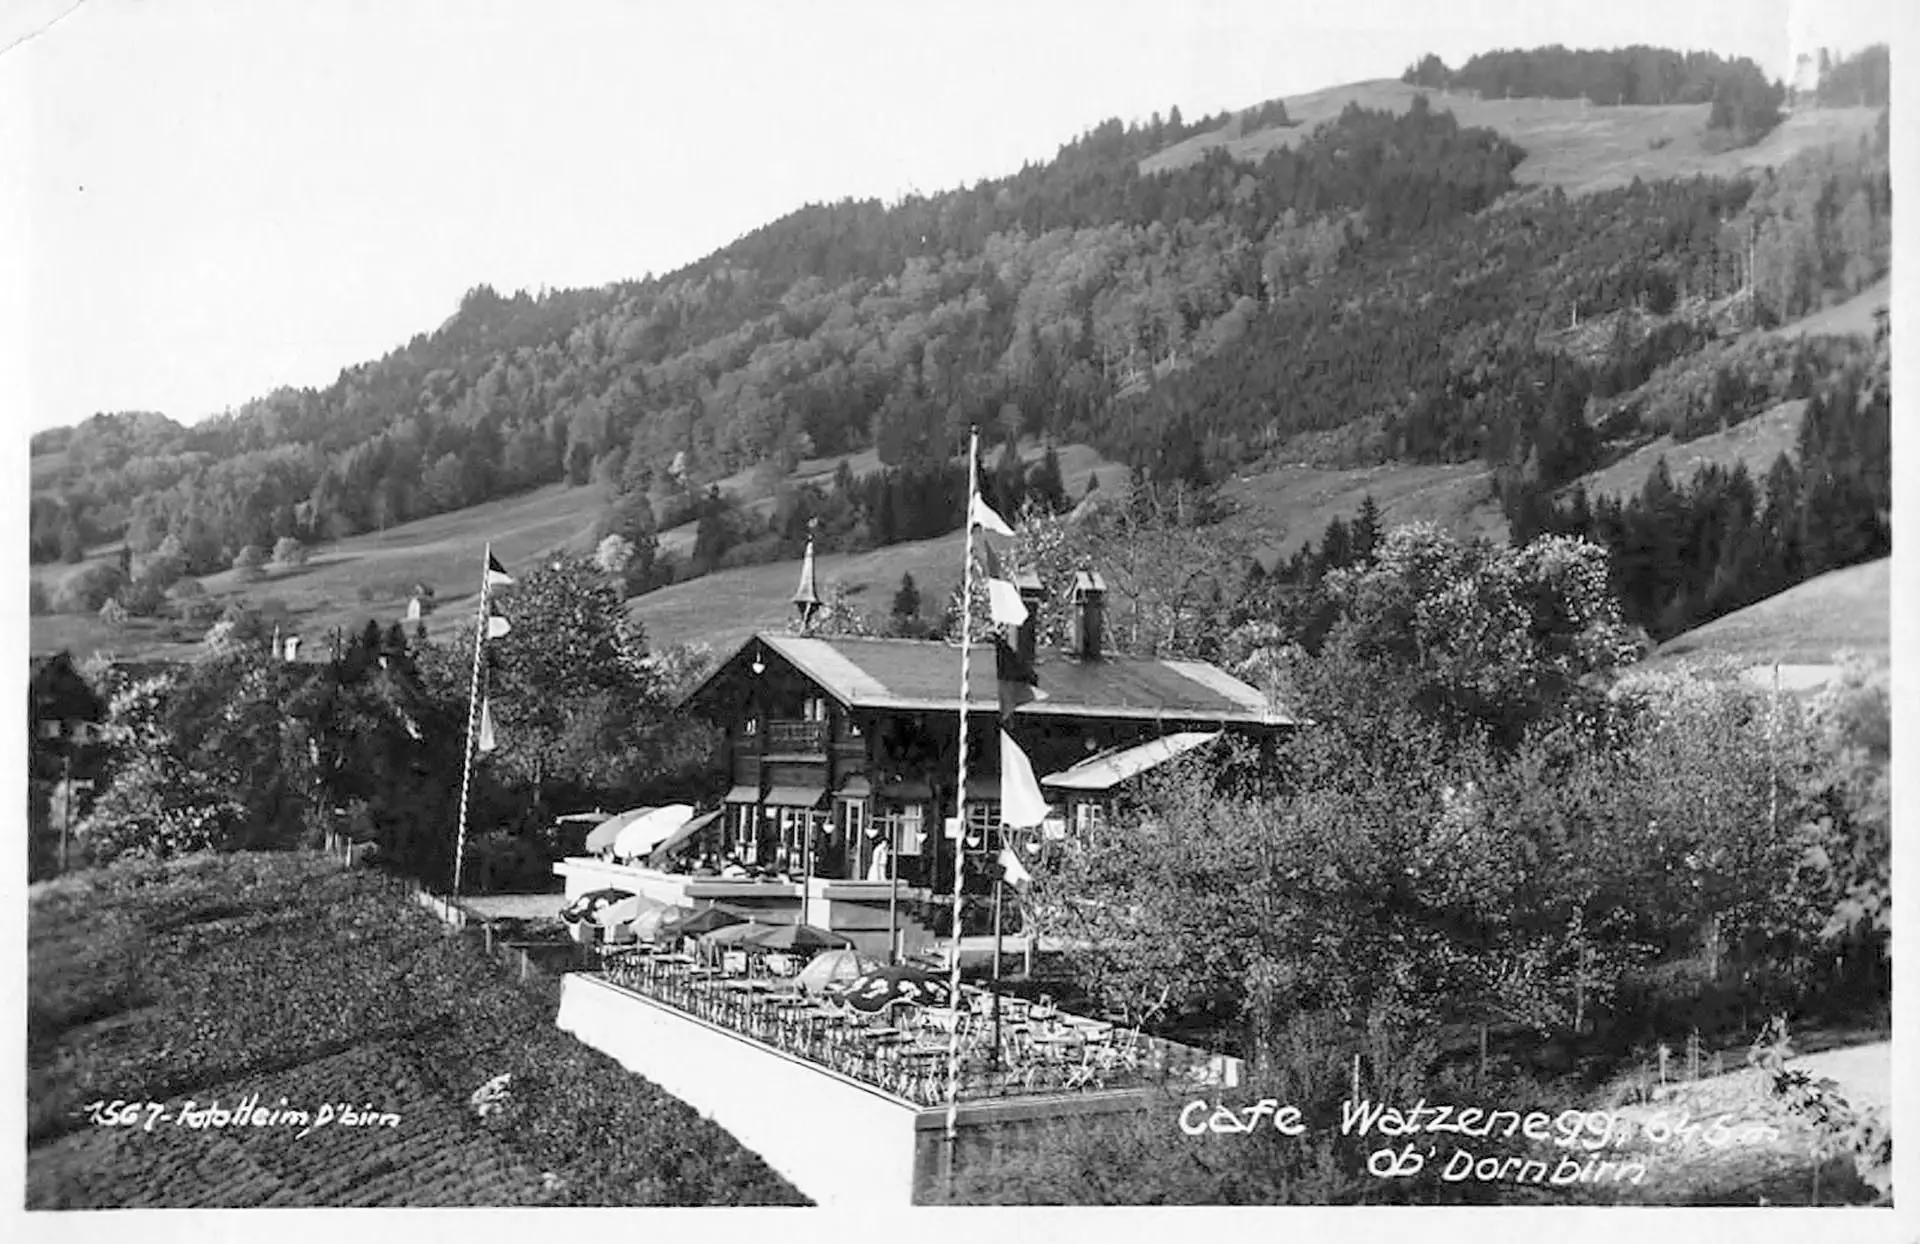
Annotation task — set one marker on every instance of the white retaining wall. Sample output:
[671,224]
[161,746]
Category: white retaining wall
[840,1142]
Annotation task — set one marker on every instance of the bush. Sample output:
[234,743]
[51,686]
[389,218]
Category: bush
[248,562]
[88,588]
[289,552]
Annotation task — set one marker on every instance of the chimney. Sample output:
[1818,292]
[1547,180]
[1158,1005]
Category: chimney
[1032,593]
[806,601]
[1089,614]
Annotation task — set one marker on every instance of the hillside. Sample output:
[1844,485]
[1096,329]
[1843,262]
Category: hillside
[1815,623]
[346,582]
[1577,146]
[213,978]
[1292,505]
[1754,444]
[1183,300]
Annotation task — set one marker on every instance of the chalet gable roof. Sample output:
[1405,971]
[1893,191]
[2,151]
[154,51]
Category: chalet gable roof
[922,675]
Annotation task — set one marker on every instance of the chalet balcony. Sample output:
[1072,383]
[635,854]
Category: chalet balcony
[797,737]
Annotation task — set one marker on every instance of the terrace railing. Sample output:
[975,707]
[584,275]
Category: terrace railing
[797,736]
[916,1071]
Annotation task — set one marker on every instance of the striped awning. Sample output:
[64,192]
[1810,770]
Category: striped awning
[795,797]
[742,794]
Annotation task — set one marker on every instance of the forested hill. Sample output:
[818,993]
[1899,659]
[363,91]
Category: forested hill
[1380,280]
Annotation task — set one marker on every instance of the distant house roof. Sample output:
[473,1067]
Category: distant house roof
[1110,768]
[59,692]
[916,674]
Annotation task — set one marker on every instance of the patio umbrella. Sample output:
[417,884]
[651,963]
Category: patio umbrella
[647,925]
[706,920]
[883,987]
[836,967]
[604,907]
[643,833]
[607,831]
[796,937]
[735,934]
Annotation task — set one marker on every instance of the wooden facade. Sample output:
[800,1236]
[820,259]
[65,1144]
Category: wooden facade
[836,747]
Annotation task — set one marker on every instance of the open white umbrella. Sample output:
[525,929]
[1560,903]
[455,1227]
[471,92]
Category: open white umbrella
[608,831]
[643,833]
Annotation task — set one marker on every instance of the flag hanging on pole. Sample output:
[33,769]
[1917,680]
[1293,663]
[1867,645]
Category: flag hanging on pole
[980,514]
[1003,598]
[497,575]
[1015,677]
[1012,870]
[487,741]
[497,626]
[1021,804]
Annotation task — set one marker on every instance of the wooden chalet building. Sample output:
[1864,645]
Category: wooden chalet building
[837,745]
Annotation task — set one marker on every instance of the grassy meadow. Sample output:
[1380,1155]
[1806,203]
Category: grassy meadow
[1841,612]
[1577,146]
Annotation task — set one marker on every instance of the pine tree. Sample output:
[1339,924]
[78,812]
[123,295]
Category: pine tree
[906,601]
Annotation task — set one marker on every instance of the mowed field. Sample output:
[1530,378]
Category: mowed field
[1577,146]
[287,980]
[1757,442]
[1291,505]
[1843,612]
[371,576]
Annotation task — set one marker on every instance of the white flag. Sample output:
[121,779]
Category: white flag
[1004,605]
[1021,804]
[413,609]
[497,626]
[1015,872]
[487,742]
[980,514]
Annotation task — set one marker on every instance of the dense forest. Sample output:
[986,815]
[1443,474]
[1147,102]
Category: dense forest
[1381,286]
[1682,552]
[1744,102]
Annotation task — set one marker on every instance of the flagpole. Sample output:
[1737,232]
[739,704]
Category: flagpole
[473,714]
[893,890]
[960,799]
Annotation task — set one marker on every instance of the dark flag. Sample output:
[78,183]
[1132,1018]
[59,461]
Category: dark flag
[1016,678]
[497,575]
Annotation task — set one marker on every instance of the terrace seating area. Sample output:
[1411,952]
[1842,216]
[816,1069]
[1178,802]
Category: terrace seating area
[903,1046]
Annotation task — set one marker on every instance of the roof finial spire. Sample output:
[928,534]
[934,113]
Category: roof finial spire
[806,601]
